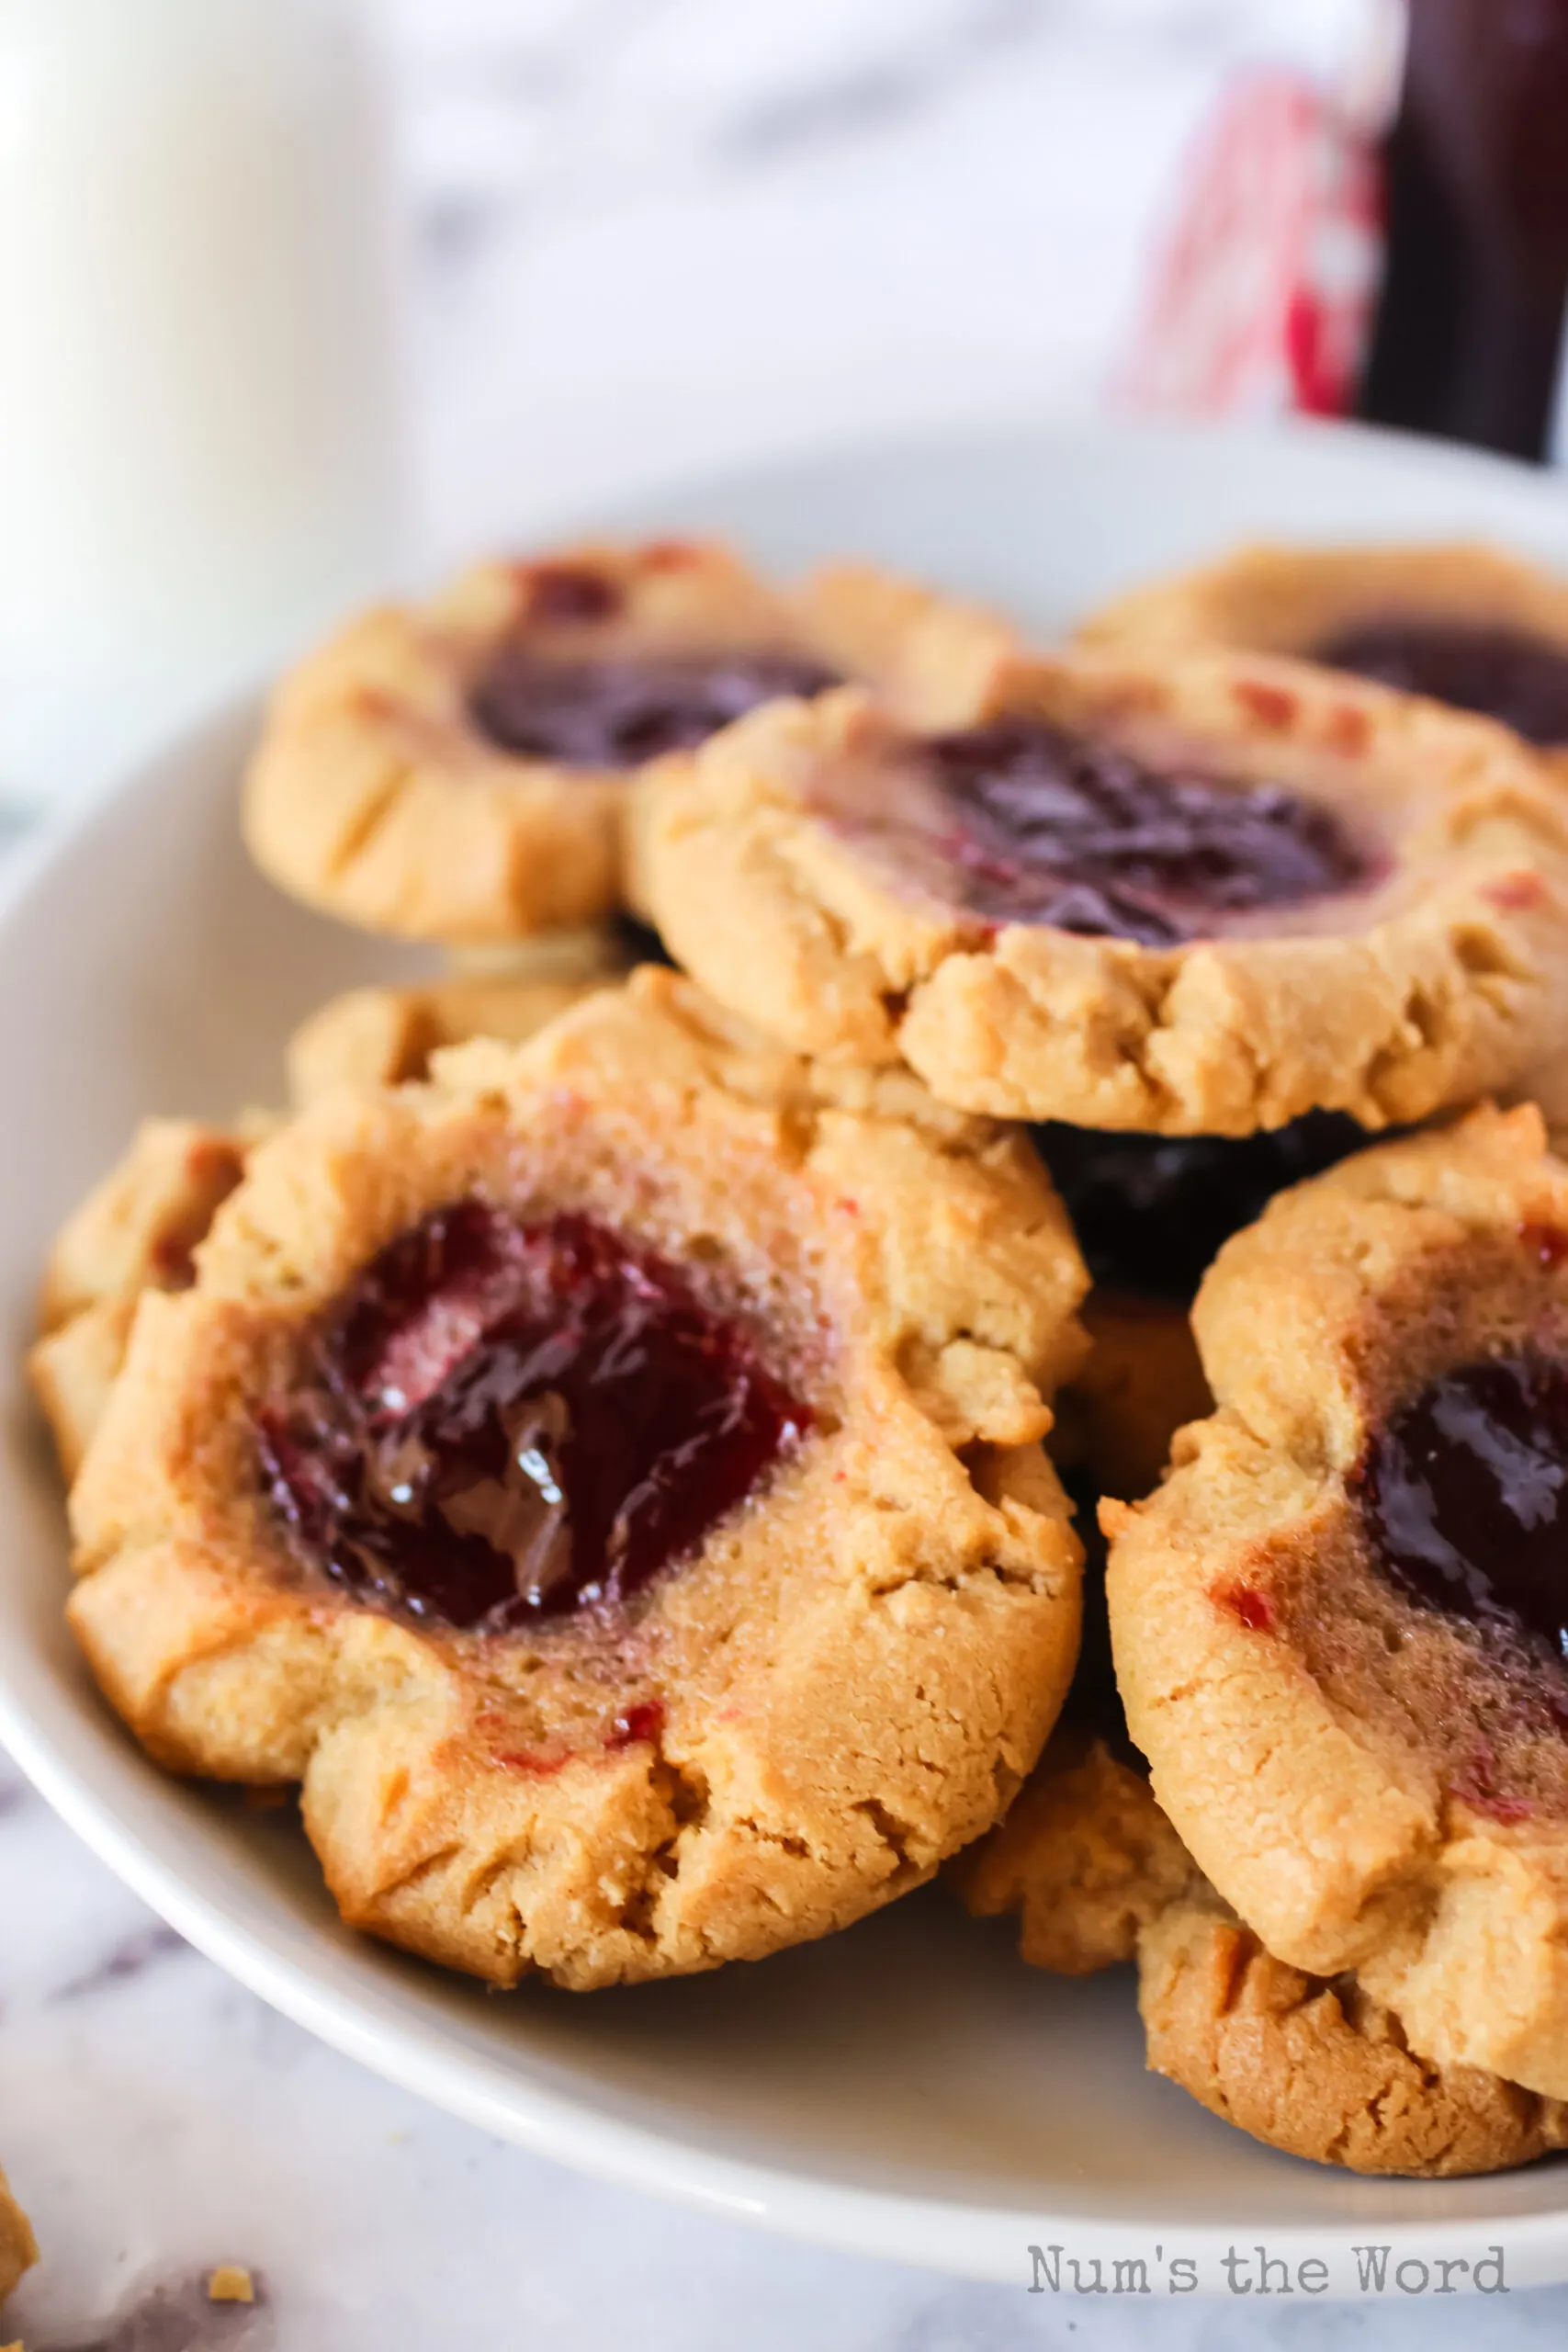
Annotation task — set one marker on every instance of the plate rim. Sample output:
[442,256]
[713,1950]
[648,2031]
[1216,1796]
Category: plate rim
[52,1744]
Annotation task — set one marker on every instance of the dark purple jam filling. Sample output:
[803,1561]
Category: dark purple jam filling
[1150,1212]
[1050,827]
[619,710]
[501,1422]
[1465,1496]
[1503,672]
[565,593]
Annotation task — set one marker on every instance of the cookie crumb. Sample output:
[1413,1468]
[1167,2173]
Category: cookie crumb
[231,2283]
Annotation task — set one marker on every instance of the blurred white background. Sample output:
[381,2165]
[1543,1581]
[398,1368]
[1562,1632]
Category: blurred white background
[643,240]
[657,236]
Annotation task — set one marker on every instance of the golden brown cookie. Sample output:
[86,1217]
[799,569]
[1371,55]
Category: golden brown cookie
[385,1037]
[1468,625]
[609,1479]
[1197,895]
[1308,2064]
[1312,2065]
[18,2248]
[1143,1379]
[1084,1855]
[458,771]
[137,1231]
[1336,1624]
[1546,1085]
[931,656]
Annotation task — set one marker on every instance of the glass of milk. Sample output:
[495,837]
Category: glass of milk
[200,454]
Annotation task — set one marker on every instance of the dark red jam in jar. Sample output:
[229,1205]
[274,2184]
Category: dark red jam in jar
[1465,1493]
[503,1420]
[1150,1212]
[618,710]
[1504,674]
[1039,825]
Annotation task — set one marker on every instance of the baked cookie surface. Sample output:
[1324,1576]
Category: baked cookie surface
[385,1036]
[1464,624]
[1084,1856]
[458,771]
[139,1230]
[1312,2065]
[1196,895]
[609,1479]
[1338,1623]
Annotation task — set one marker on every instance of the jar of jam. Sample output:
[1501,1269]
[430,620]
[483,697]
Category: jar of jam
[1469,333]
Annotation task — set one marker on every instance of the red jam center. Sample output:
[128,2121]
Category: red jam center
[1045,826]
[1151,1211]
[1503,672]
[619,710]
[502,1420]
[1465,1494]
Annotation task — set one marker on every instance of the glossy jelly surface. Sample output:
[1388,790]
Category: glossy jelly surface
[502,1422]
[1465,1493]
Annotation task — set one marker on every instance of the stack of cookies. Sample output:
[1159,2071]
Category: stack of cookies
[626,1441]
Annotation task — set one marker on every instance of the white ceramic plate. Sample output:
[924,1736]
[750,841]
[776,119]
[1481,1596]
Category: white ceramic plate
[907,2089]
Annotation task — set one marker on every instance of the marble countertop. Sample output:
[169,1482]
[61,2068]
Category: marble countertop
[161,2122]
[649,239]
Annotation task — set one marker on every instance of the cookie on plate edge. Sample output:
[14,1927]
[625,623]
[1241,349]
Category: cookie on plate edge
[609,1479]
[1338,1625]
[1311,2065]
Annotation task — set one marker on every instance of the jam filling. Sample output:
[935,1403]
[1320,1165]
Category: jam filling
[561,594]
[502,1420]
[1465,1496]
[1045,826]
[1503,672]
[1150,1212]
[619,710]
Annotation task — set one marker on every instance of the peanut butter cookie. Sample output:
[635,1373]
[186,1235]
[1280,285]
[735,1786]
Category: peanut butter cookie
[385,1036]
[1191,895]
[458,771]
[1339,1625]
[609,1479]
[137,1231]
[1084,1856]
[1312,2065]
[1466,625]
